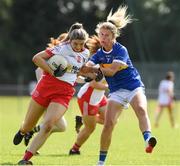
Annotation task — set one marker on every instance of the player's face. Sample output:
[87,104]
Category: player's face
[77,45]
[106,38]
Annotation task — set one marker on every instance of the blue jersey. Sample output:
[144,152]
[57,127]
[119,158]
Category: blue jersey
[128,78]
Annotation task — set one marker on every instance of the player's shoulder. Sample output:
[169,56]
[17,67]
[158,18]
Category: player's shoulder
[86,52]
[118,45]
[120,50]
[59,47]
[164,83]
[64,45]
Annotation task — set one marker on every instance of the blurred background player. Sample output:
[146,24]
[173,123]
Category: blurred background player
[92,104]
[166,99]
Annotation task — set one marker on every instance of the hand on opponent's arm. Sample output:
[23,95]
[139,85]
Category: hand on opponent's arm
[91,73]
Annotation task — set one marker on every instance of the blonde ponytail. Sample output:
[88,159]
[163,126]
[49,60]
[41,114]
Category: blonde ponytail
[116,21]
[120,18]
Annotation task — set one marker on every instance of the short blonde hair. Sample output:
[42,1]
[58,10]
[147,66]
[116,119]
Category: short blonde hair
[115,22]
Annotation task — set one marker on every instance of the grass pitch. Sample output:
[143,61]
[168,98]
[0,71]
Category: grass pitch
[127,147]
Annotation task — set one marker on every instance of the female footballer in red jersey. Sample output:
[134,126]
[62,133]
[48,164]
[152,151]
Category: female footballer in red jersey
[61,124]
[55,89]
[92,103]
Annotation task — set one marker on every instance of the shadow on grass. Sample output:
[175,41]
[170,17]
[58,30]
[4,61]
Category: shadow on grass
[8,163]
[53,155]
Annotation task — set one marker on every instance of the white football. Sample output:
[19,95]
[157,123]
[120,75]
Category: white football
[57,60]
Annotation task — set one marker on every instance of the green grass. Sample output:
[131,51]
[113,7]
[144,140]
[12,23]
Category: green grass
[127,147]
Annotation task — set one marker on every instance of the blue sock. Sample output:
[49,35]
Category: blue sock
[102,155]
[146,135]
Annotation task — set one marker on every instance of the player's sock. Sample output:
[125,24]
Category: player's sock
[76,147]
[27,155]
[102,157]
[29,134]
[36,129]
[146,135]
[74,150]
[27,137]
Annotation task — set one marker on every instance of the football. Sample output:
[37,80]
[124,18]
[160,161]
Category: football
[55,61]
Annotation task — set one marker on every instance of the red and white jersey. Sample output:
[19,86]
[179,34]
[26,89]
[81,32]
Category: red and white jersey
[95,97]
[75,60]
[165,87]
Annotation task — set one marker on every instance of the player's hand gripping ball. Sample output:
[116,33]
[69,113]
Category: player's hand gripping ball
[58,64]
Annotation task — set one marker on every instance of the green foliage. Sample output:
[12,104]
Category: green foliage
[26,27]
[127,146]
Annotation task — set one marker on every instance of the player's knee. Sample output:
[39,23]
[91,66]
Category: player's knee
[90,128]
[109,125]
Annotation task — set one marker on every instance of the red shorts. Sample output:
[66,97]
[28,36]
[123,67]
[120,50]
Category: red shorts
[50,89]
[88,109]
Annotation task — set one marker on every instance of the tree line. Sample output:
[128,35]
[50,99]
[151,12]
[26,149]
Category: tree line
[27,25]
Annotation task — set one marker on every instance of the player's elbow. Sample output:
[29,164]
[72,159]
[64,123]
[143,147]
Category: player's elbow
[34,59]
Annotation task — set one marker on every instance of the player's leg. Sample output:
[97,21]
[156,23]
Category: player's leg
[88,128]
[30,134]
[100,116]
[54,112]
[101,111]
[111,115]
[32,116]
[139,105]
[60,126]
[171,114]
[158,113]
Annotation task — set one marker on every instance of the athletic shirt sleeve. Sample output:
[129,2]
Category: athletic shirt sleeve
[54,50]
[95,58]
[121,54]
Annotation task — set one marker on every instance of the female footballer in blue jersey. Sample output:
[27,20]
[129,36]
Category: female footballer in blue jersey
[124,81]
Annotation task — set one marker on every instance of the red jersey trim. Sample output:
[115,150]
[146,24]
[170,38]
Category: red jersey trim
[49,52]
